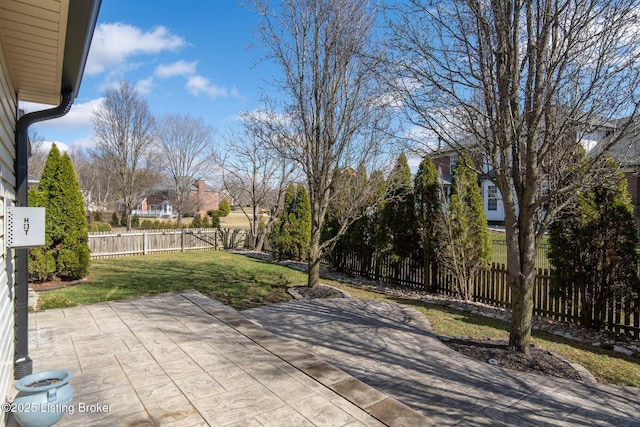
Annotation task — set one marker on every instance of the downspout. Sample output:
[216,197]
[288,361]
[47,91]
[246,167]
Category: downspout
[22,362]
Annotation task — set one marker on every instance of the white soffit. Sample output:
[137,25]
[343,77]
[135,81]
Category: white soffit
[32,33]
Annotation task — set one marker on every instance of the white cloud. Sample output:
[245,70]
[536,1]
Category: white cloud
[414,162]
[64,148]
[179,68]
[144,86]
[266,116]
[197,85]
[78,117]
[114,43]
[82,143]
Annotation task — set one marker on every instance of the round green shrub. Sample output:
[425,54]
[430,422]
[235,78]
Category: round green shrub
[223,208]
[42,264]
[73,264]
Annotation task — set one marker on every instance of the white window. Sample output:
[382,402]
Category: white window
[453,162]
[492,198]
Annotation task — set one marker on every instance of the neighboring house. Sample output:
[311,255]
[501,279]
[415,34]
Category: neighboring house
[204,200]
[155,205]
[32,182]
[43,50]
[627,152]
[446,161]
[158,203]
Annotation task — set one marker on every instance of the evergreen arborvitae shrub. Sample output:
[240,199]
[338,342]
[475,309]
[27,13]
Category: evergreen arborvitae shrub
[196,223]
[302,229]
[123,219]
[42,264]
[214,218]
[428,207]
[593,251]
[114,220]
[66,230]
[135,220]
[223,208]
[397,231]
[466,245]
[279,236]
[290,236]
[360,236]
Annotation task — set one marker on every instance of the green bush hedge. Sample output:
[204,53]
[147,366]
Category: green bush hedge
[99,226]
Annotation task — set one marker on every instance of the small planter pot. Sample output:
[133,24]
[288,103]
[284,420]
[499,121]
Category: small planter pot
[43,398]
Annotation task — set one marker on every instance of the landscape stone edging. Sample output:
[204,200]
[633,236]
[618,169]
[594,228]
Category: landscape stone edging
[297,296]
[583,373]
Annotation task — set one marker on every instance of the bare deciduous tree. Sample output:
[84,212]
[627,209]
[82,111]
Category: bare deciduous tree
[124,132]
[255,176]
[529,84]
[187,147]
[37,153]
[332,109]
[96,181]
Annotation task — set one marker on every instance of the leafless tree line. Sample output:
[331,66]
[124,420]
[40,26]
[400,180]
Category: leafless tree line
[525,85]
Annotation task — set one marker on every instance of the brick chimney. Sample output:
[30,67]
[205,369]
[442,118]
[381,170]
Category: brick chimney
[200,186]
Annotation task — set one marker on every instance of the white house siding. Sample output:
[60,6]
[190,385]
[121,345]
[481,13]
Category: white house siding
[497,215]
[7,194]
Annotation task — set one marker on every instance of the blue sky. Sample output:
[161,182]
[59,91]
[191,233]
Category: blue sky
[191,57]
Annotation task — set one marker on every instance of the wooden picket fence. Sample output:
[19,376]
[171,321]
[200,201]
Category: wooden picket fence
[489,286]
[110,244]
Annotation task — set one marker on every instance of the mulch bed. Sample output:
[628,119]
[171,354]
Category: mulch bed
[498,352]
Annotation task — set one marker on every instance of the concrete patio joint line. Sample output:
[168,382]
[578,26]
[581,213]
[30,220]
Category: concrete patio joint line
[377,404]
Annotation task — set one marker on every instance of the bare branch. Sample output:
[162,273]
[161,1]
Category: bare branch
[124,131]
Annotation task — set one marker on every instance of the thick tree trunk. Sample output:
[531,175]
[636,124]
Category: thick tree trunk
[521,274]
[314,264]
[314,273]
[315,253]
[259,242]
[521,313]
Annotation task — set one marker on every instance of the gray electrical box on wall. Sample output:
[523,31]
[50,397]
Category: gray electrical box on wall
[25,227]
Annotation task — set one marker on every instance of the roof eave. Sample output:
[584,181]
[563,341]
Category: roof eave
[83,15]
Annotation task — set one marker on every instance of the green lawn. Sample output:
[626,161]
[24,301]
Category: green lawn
[499,251]
[235,280]
[243,282]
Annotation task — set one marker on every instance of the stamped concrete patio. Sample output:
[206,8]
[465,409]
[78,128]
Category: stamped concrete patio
[183,359]
[392,348]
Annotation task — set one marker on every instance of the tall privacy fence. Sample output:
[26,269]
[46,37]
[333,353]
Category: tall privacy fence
[110,244]
[489,286]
